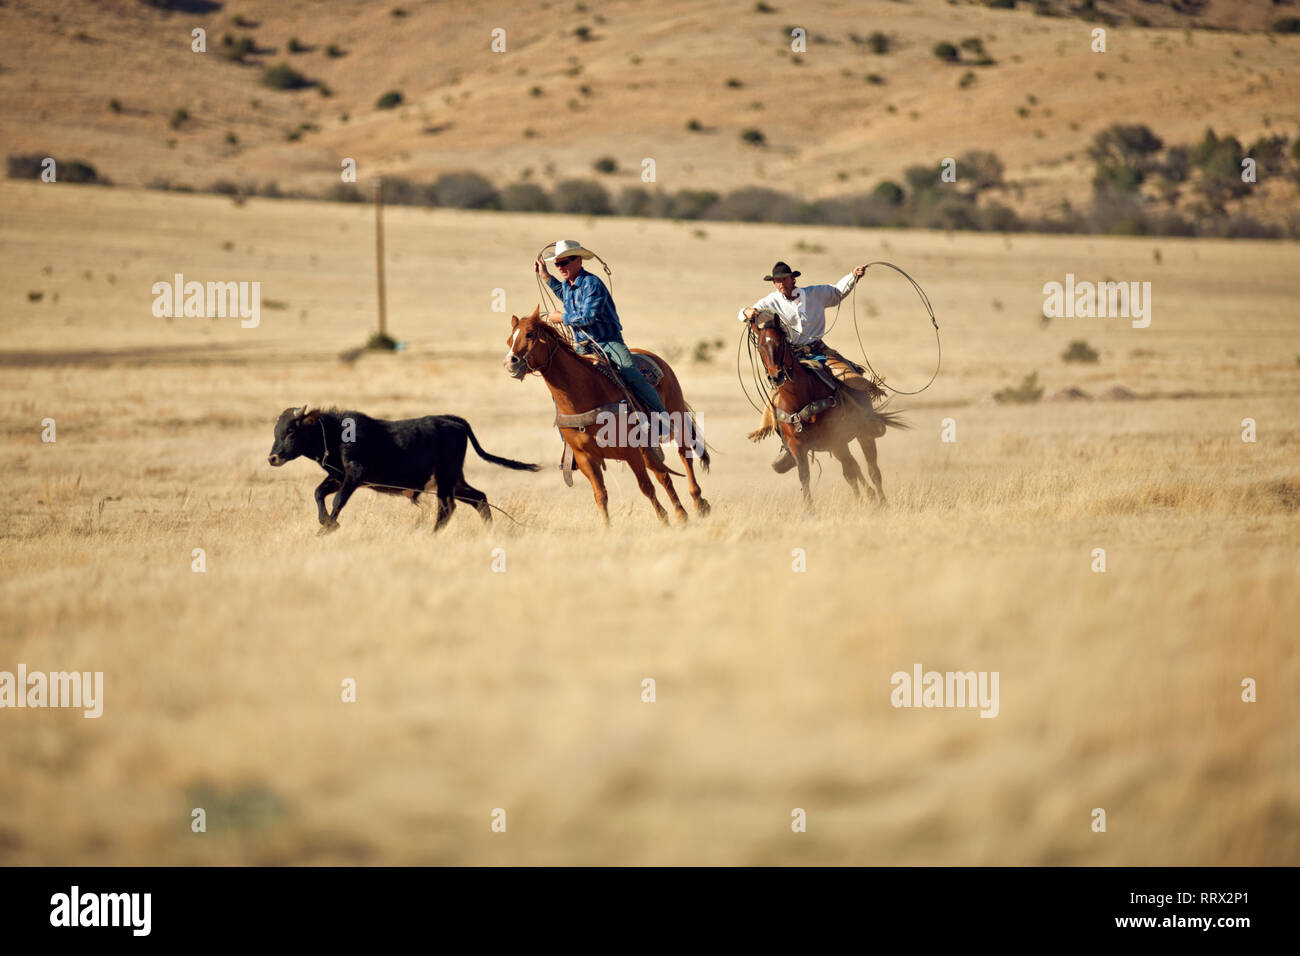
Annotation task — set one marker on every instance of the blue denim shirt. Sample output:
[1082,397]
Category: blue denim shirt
[589,308]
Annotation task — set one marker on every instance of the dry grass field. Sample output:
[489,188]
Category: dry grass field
[522,690]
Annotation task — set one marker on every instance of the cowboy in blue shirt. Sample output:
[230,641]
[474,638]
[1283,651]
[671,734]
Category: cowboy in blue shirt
[589,311]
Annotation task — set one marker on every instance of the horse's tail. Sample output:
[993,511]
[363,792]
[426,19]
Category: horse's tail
[892,418]
[497,459]
[701,447]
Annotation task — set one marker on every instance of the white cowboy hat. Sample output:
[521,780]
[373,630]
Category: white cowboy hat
[569,247]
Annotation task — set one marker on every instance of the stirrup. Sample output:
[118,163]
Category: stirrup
[784,461]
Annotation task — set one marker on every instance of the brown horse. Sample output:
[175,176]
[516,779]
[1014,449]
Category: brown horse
[814,417]
[584,397]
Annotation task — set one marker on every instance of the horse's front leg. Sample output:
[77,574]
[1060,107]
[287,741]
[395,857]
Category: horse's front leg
[589,465]
[852,473]
[800,452]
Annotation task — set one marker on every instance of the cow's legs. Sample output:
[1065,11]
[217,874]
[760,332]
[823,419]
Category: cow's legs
[446,505]
[350,483]
[467,492]
[326,487]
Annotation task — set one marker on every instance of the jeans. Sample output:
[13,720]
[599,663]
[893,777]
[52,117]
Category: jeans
[636,382]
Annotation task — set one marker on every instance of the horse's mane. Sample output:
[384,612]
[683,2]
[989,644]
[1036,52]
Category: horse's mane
[561,335]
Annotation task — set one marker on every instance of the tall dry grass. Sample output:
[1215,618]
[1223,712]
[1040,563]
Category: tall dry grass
[523,689]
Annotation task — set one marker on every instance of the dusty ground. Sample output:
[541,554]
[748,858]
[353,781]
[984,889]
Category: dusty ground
[523,690]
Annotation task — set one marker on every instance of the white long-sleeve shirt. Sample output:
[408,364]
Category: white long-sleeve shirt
[804,317]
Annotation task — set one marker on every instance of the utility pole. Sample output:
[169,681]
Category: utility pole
[379,254]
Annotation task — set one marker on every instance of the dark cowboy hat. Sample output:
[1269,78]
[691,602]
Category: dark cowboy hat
[780,271]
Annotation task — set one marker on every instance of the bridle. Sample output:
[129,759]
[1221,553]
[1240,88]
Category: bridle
[782,359]
[540,369]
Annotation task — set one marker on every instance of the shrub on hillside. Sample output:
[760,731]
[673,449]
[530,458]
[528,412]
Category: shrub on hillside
[857,211]
[237,49]
[581,196]
[400,191]
[980,170]
[995,217]
[1268,151]
[950,212]
[525,197]
[29,166]
[759,204]
[1080,351]
[1026,392]
[284,77]
[690,204]
[889,192]
[390,100]
[946,51]
[465,190]
[634,201]
[1123,144]
[345,192]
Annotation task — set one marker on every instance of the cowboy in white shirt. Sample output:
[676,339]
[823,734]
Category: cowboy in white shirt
[803,314]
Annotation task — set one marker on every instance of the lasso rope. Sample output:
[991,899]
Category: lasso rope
[858,333]
[545,290]
[747,335]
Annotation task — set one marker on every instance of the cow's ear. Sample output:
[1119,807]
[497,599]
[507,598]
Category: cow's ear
[537,310]
[312,417]
[514,321]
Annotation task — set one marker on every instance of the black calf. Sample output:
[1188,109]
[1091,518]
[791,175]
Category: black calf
[407,457]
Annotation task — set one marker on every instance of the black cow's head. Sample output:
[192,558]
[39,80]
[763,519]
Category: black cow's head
[296,433]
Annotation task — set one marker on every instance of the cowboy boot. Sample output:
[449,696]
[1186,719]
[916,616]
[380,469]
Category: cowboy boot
[651,448]
[784,461]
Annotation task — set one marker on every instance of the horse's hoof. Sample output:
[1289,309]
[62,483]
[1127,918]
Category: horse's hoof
[328,529]
[703,507]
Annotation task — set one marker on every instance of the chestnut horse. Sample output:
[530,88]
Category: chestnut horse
[814,417]
[580,391]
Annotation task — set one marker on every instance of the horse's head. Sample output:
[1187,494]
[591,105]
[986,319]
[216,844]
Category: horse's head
[532,343]
[773,347]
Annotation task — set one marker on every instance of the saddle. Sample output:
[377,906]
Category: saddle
[813,357]
[644,363]
[817,365]
[582,420]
